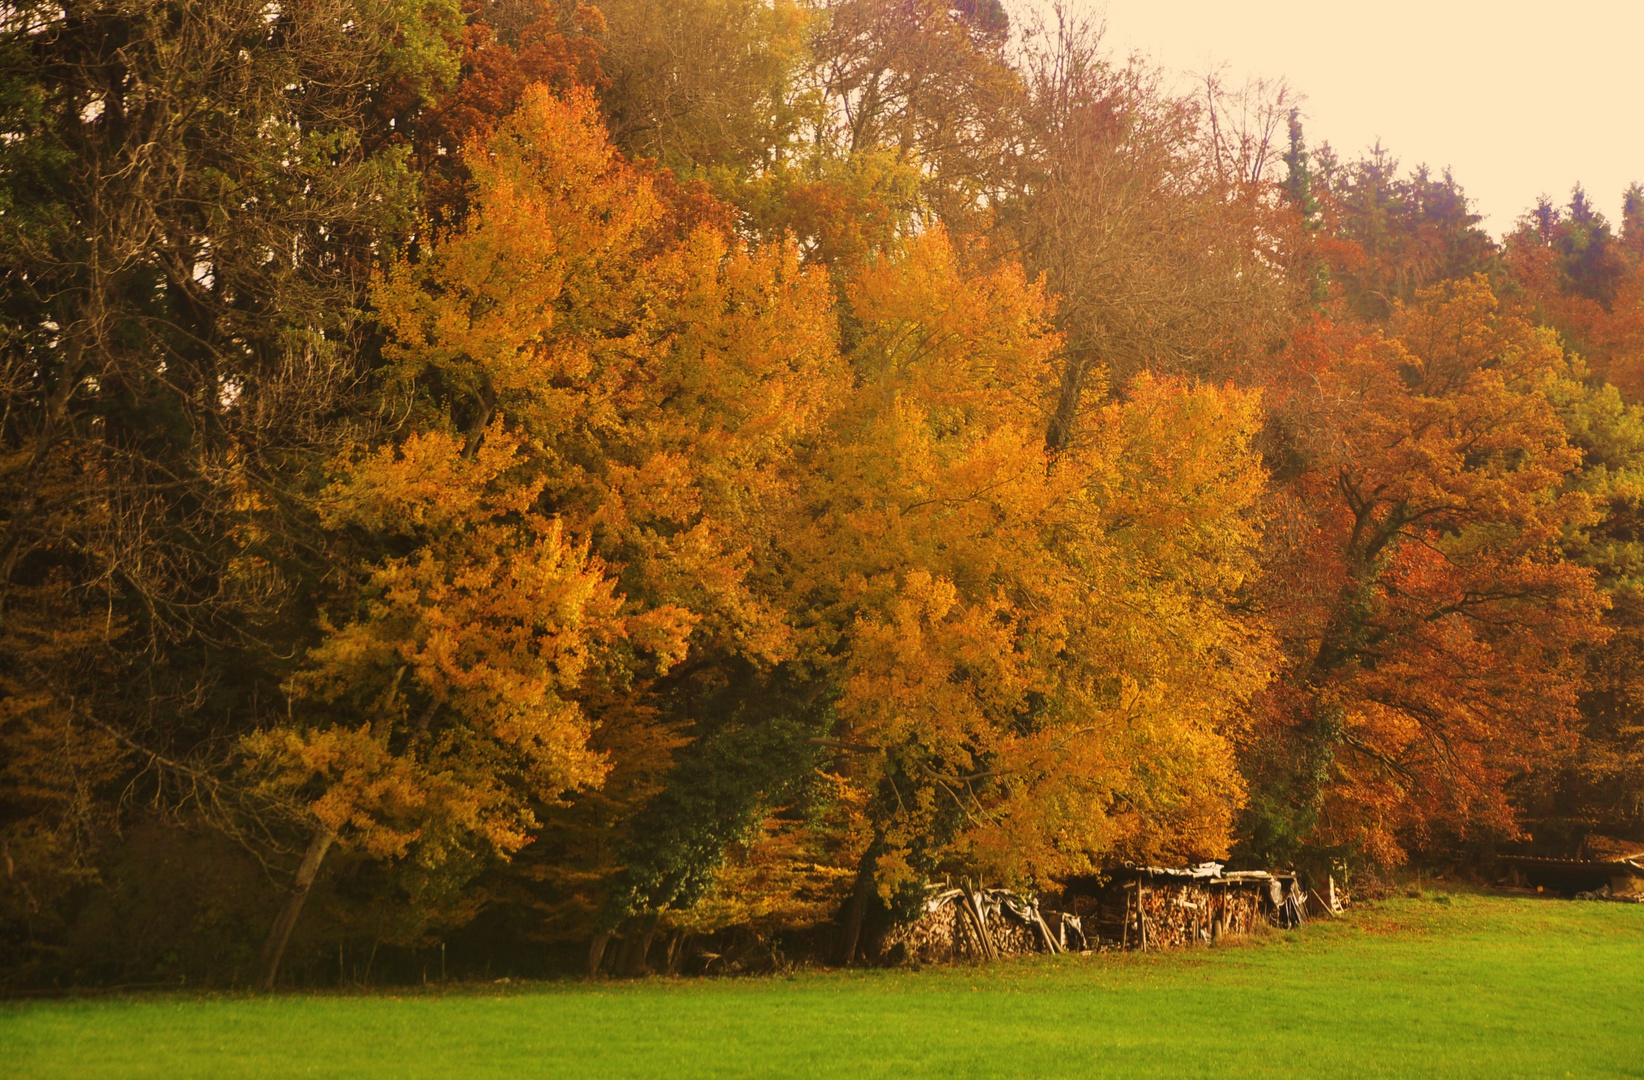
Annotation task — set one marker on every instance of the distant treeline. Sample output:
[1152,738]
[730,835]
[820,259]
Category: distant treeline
[509,474]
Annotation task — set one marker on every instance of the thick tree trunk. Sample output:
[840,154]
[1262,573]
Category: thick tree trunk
[280,932]
[623,963]
[1059,432]
[643,950]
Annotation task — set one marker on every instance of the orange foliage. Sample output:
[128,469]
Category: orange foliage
[659,390]
[1433,630]
[556,47]
[1609,335]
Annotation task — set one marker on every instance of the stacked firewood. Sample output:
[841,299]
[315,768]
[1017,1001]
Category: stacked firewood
[958,924]
[1172,915]
[1012,936]
[1240,912]
[1154,910]
[943,933]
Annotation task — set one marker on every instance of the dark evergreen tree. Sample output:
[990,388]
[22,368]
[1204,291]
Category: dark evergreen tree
[1403,233]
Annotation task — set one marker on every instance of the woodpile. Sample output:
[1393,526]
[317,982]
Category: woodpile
[1137,908]
[1173,915]
[945,932]
[1157,908]
[986,924]
[1172,909]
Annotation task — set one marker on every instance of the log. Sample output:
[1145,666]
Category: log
[974,908]
[1052,946]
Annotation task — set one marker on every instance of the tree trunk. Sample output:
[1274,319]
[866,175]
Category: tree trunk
[596,952]
[623,963]
[280,932]
[676,952]
[643,949]
[858,909]
[1059,432]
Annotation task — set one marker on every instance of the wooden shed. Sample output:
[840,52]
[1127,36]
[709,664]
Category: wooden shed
[1610,876]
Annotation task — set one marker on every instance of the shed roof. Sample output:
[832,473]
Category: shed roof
[1206,872]
[1624,865]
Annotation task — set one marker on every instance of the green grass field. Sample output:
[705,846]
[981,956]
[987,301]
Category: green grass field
[1467,985]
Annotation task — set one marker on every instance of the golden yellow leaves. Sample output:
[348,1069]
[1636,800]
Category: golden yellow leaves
[1041,652]
[628,446]
[461,666]
[591,401]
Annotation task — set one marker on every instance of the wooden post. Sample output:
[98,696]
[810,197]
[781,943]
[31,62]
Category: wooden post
[1051,944]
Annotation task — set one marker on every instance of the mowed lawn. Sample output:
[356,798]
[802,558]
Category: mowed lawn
[1467,985]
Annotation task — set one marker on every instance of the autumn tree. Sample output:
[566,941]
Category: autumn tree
[1433,631]
[1000,710]
[1582,279]
[1386,236]
[929,83]
[445,700]
[506,46]
[879,114]
[705,85]
[654,385]
[1154,217]
[605,474]
[1597,788]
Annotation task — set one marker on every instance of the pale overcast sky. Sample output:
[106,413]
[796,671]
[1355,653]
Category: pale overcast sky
[1519,99]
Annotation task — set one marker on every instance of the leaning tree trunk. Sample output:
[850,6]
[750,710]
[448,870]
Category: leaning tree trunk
[858,908]
[280,932]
